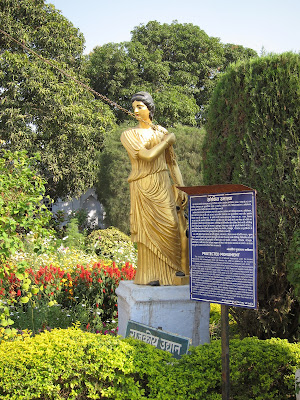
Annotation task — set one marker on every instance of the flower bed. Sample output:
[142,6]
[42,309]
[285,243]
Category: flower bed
[59,297]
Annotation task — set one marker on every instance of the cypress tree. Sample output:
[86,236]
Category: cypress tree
[253,139]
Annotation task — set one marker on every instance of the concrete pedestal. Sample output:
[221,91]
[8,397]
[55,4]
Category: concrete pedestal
[165,307]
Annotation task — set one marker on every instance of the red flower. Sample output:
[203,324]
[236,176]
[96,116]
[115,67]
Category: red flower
[19,292]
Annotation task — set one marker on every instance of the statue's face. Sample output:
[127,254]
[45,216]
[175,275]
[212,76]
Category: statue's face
[140,110]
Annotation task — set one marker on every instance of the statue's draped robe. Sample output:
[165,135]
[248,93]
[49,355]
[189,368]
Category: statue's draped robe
[153,216]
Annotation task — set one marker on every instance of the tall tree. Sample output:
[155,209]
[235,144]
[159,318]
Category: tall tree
[40,109]
[120,70]
[177,63]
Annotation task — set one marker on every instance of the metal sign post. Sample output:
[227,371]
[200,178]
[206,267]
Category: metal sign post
[225,352]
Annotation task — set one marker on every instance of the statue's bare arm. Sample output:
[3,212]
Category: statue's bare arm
[151,154]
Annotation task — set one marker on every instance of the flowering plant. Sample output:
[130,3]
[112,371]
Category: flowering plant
[80,293]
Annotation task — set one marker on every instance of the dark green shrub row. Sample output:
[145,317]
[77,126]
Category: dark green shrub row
[253,139]
[71,364]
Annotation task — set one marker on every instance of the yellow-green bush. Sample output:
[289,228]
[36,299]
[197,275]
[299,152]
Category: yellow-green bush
[259,370]
[71,364]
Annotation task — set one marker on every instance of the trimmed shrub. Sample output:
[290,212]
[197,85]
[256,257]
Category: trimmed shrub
[71,364]
[259,370]
[253,139]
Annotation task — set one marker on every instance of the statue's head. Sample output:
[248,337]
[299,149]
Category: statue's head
[146,98]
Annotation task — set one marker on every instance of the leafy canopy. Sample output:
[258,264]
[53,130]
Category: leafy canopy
[177,63]
[40,109]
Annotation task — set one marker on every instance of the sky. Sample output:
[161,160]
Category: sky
[269,25]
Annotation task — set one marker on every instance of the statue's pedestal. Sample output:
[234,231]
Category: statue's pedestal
[165,307]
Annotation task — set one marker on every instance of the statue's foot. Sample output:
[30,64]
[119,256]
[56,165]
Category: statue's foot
[153,283]
[180,273]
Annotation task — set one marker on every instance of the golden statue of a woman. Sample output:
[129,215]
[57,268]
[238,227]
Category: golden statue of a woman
[154,222]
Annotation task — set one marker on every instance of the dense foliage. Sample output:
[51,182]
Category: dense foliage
[75,365]
[177,63]
[253,139]
[21,212]
[21,207]
[112,186]
[293,263]
[40,109]
[264,369]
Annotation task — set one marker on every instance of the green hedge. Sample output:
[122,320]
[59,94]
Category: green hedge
[253,139]
[71,364]
[259,370]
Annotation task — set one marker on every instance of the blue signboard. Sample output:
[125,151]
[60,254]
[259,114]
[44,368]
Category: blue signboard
[223,248]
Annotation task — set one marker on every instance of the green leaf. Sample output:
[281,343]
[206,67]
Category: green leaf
[24,300]
[20,276]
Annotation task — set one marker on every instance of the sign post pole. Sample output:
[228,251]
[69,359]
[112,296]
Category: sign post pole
[225,352]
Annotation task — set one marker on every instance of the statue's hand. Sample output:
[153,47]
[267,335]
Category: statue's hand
[183,198]
[169,138]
